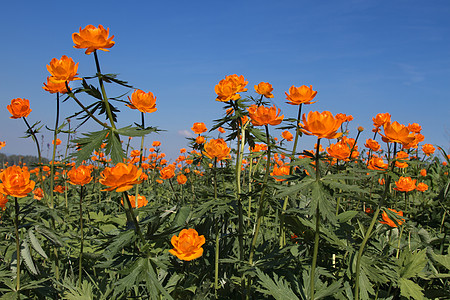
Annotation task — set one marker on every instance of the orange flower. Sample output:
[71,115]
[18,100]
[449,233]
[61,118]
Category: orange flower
[200,140]
[19,108]
[395,132]
[38,193]
[372,145]
[93,38]
[167,172]
[58,142]
[300,95]
[59,189]
[55,86]
[377,163]
[428,149]
[221,130]
[63,69]
[261,115]
[121,177]
[217,148]
[181,179]
[414,127]
[142,201]
[16,182]
[2,144]
[135,153]
[381,119]
[265,89]
[405,184]
[199,128]
[368,210]
[80,175]
[423,172]
[226,91]
[322,125]
[142,101]
[187,245]
[341,150]
[388,221]
[287,135]
[238,81]
[259,148]
[283,170]
[156,144]
[3,201]
[422,187]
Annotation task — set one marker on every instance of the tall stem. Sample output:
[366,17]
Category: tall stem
[52,166]
[80,263]
[38,150]
[261,200]
[140,157]
[216,257]
[317,231]
[102,87]
[16,229]
[137,229]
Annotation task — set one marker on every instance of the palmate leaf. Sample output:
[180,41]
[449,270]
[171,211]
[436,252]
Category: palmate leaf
[135,131]
[92,141]
[412,263]
[410,289]
[114,148]
[276,287]
[321,198]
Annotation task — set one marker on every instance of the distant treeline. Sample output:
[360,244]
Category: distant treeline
[29,160]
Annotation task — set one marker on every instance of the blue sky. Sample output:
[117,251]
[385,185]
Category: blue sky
[363,58]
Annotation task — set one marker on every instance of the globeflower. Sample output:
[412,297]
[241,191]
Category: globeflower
[3,201]
[181,179]
[282,170]
[79,176]
[142,101]
[372,145]
[322,125]
[287,135]
[142,201]
[405,184]
[428,149]
[301,95]
[167,172]
[341,150]
[199,128]
[121,177]
[63,69]
[395,132]
[388,221]
[187,245]
[381,119]
[261,115]
[217,148]
[421,187]
[19,108]
[93,38]
[377,163]
[16,182]
[55,86]
[265,89]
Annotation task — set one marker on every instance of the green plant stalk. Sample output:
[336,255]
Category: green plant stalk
[238,191]
[137,229]
[140,158]
[249,191]
[261,200]
[294,149]
[16,229]
[102,87]
[52,166]
[367,235]
[317,230]
[217,253]
[39,153]
[80,263]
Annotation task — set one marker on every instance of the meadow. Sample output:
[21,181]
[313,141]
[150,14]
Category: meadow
[241,213]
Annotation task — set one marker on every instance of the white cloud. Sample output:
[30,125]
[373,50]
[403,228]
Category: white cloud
[185,133]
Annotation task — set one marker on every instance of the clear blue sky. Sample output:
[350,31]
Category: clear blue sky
[363,58]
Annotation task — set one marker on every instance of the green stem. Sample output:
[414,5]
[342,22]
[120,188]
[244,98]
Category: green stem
[137,229]
[102,87]
[39,153]
[261,200]
[140,157]
[369,230]
[317,231]
[16,229]
[238,190]
[52,165]
[80,263]
[216,258]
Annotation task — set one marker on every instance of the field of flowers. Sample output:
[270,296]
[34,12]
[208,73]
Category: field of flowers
[240,214]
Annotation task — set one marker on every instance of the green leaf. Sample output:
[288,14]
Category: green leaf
[114,148]
[410,289]
[50,235]
[443,260]
[346,216]
[276,287]
[293,189]
[412,263]
[92,141]
[135,131]
[26,256]
[35,243]
[320,197]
